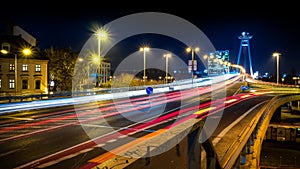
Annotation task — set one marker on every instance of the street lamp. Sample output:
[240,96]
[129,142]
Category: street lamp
[144,50]
[207,66]
[94,59]
[276,54]
[167,56]
[193,50]
[101,34]
[25,51]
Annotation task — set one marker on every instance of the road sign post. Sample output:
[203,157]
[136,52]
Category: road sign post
[149,90]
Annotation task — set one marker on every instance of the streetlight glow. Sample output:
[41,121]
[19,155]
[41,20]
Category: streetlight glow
[26,51]
[101,34]
[188,50]
[276,54]
[167,56]
[144,50]
[4,51]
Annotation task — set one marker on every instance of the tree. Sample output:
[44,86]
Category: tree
[61,67]
[123,80]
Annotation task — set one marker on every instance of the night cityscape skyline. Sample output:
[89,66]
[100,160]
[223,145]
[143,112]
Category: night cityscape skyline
[60,26]
[149,84]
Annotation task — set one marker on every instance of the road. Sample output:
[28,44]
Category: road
[69,136]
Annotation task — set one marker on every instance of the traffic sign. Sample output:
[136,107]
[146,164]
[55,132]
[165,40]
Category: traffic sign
[244,88]
[149,90]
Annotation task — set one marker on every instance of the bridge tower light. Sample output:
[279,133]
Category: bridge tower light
[245,37]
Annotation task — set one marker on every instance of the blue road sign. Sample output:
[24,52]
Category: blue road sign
[244,88]
[149,90]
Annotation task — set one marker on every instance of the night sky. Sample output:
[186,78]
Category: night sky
[274,26]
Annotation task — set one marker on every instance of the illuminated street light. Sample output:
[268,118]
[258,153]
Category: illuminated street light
[95,59]
[167,56]
[101,34]
[26,52]
[276,54]
[144,50]
[192,50]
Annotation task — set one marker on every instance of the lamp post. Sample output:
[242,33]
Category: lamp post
[95,60]
[167,56]
[192,50]
[207,66]
[25,51]
[144,50]
[276,54]
[101,35]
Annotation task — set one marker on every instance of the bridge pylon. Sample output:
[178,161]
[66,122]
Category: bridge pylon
[245,37]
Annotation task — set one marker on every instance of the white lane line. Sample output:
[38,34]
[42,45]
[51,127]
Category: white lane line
[112,140]
[100,145]
[122,136]
[223,132]
[99,126]
[9,152]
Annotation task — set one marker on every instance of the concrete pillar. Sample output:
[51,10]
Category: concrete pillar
[212,161]
[194,150]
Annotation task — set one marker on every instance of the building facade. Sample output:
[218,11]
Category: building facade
[104,71]
[28,76]
[21,74]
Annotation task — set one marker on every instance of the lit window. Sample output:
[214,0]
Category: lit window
[37,84]
[25,84]
[0,83]
[25,68]
[11,83]
[37,68]
[11,67]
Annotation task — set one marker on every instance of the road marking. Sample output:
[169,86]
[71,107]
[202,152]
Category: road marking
[100,145]
[112,140]
[99,126]
[9,152]
[223,132]
[123,136]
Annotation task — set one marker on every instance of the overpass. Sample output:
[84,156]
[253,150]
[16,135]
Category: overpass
[237,146]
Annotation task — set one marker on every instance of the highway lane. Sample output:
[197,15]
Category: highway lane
[41,144]
[231,113]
